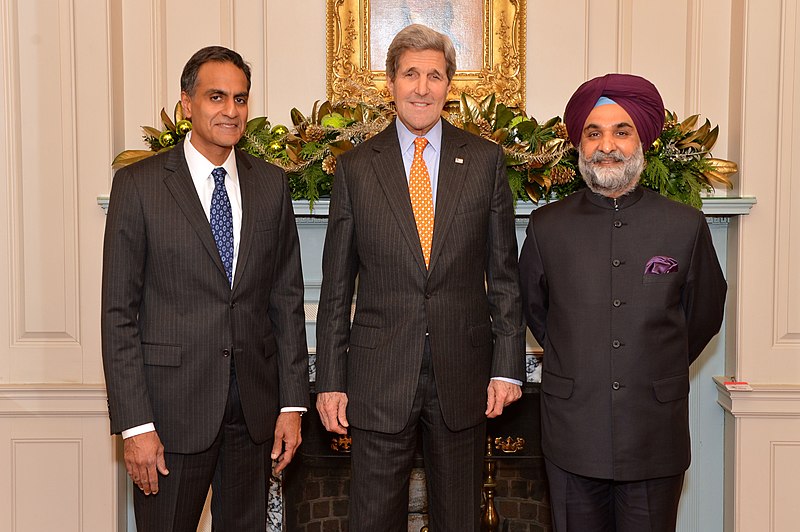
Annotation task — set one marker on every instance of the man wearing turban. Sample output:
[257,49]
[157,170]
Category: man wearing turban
[622,288]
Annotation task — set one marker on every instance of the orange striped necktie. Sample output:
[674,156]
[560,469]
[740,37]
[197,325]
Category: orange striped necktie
[419,188]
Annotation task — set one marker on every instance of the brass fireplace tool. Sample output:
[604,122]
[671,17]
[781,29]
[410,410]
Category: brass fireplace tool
[490,519]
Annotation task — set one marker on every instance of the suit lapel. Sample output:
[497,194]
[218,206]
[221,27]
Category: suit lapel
[247,186]
[179,182]
[452,175]
[391,174]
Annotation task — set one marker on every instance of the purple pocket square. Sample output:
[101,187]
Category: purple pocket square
[660,265]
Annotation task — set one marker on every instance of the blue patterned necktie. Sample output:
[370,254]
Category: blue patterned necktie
[222,221]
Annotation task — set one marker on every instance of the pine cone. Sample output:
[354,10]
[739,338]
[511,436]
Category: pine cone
[669,124]
[561,175]
[560,129]
[329,164]
[484,126]
[314,133]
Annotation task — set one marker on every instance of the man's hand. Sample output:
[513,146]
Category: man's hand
[499,395]
[287,440]
[144,460]
[332,408]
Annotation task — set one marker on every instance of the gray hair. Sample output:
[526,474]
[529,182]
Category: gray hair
[419,37]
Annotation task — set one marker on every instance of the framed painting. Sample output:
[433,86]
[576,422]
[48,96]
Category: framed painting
[489,37]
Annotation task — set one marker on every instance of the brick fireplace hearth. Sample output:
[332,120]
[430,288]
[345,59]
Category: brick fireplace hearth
[317,484]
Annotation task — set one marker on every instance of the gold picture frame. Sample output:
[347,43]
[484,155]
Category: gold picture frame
[489,36]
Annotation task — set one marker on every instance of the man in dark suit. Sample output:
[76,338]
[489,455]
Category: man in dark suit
[202,321]
[623,290]
[422,216]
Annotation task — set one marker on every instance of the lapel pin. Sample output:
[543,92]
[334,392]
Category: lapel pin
[459,160]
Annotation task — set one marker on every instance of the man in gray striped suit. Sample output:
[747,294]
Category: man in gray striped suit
[202,317]
[422,215]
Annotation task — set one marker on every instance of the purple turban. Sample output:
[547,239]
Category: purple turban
[636,95]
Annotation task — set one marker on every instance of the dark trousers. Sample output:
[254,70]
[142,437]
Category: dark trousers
[234,466]
[382,463]
[584,504]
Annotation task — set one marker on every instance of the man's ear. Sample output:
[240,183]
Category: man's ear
[186,103]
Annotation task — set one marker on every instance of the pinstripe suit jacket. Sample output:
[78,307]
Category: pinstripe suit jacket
[171,321]
[468,299]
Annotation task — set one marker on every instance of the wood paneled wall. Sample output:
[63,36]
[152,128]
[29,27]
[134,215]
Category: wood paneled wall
[78,78]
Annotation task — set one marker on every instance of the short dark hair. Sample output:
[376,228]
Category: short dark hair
[220,54]
[419,37]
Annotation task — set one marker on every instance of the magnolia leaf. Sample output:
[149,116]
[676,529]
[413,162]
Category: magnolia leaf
[314,115]
[293,155]
[532,191]
[552,122]
[129,157]
[472,128]
[178,113]
[526,128]
[325,109]
[339,147]
[710,139]
[151,131]
[257,124]
[166,120]
[503,116]
[297,117]
[716,177]
[470,108]
[500,136]
[689,123]
[358,114]
[488,106]
[722,166]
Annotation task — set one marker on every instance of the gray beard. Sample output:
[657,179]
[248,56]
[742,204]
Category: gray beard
[611,181]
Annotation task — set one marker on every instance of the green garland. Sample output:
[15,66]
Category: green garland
[540,161]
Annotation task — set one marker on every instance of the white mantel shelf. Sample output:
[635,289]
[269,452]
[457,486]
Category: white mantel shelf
[763,401]
[716,206]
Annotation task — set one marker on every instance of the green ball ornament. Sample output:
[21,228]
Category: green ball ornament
[334,120]
[275,148]
[657,145]
[167,139]
[183,127]
[279,130]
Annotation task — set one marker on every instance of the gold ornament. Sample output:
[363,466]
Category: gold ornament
[279,130]
[183,127]
[167,139]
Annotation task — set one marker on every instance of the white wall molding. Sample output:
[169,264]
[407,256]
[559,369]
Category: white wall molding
[78,400]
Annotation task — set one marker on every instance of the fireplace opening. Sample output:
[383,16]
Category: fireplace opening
[317,483]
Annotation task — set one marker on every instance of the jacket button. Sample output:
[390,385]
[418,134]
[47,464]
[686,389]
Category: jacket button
[615,385]
[233,304]
[616,263]
[615,344]
[616,302]
[617,224]
[427,295]
[226,352]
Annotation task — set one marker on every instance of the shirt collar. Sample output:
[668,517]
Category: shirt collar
[406,137]
[200,168]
